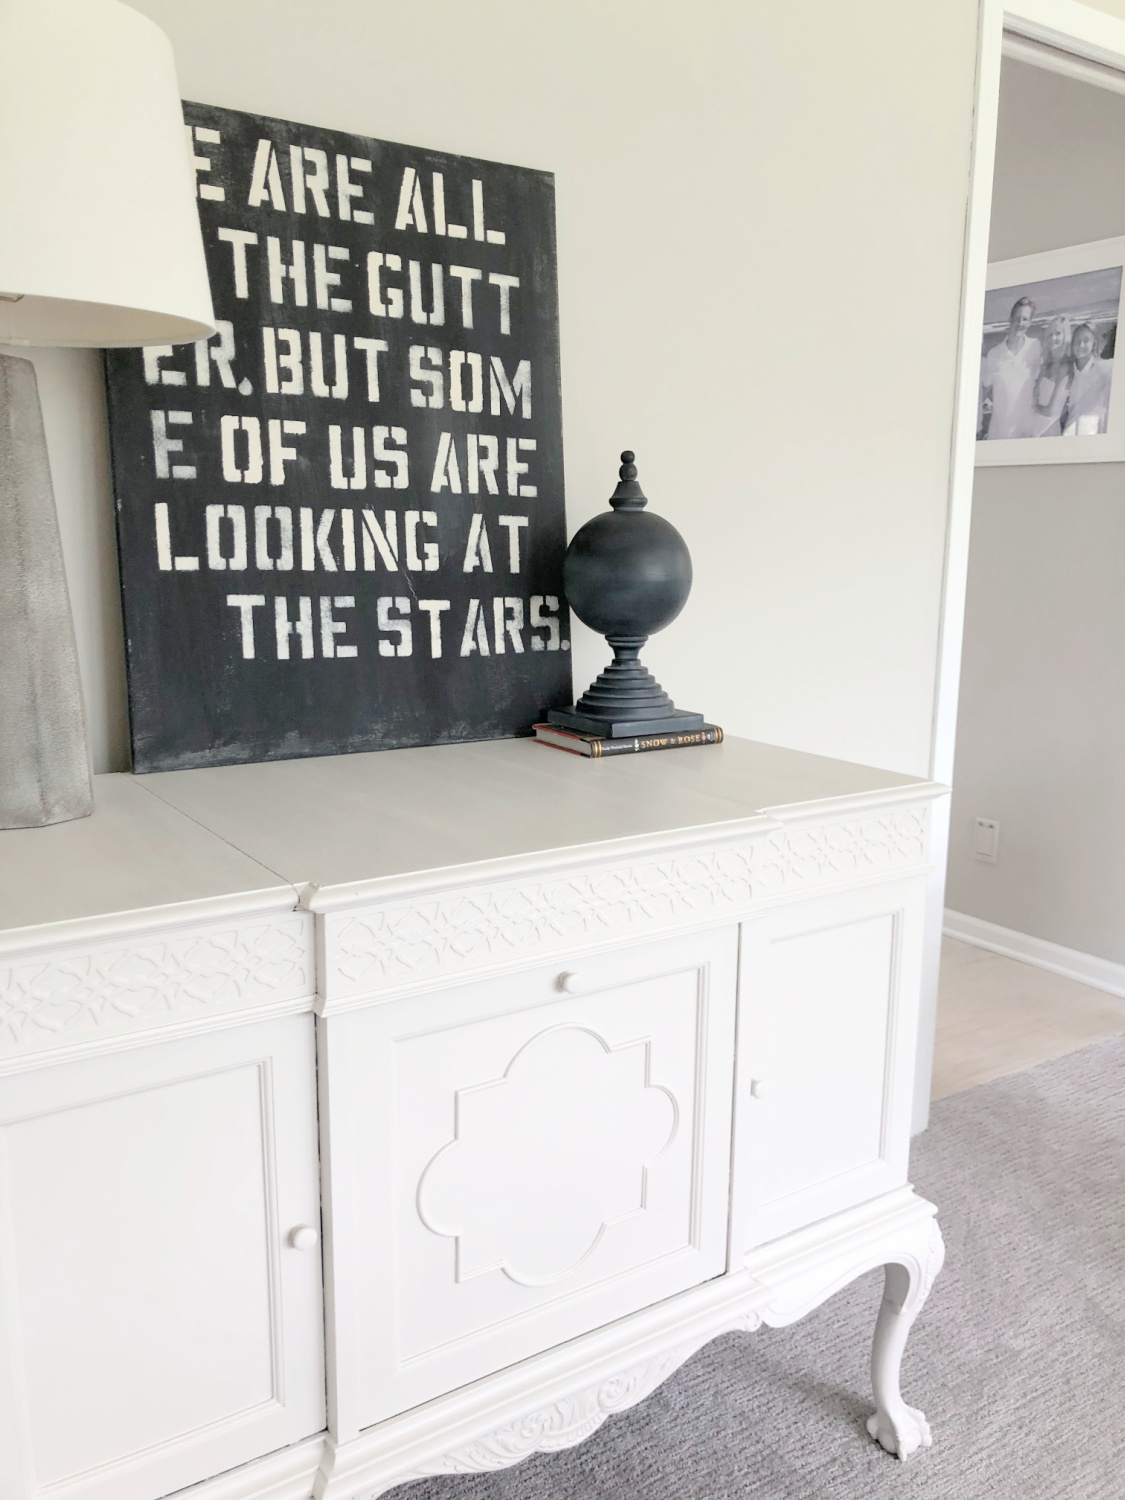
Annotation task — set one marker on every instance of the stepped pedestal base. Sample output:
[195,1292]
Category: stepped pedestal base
[618,729]
[625,700]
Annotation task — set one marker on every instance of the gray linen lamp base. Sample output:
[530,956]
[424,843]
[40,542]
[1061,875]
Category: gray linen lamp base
[44,762]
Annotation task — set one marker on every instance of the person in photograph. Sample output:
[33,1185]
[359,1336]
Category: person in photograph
[1053,385]
[1087,405]
[1008,376]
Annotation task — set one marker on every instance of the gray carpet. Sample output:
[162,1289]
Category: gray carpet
[1018,1358]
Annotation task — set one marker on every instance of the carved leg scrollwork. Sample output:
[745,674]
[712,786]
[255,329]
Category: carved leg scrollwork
[899,1428]
[784,1283]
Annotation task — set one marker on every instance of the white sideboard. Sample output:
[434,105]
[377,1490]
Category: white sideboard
[390,1115]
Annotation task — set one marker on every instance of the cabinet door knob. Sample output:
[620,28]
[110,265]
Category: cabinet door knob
[571,984]
[758,1088]
[303,1237]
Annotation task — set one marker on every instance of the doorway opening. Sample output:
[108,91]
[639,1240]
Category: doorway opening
[1033,960]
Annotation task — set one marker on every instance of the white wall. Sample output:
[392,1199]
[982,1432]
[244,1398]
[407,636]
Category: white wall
[761,214]
[1041,729]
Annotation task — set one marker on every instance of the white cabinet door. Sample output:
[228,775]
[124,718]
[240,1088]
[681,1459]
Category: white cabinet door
[828,1008]
[156,1326]
[516,1161]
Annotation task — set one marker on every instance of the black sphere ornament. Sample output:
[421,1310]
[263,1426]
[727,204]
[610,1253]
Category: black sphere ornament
[627,574]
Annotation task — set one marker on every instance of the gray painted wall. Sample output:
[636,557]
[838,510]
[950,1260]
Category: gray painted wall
[1041,732]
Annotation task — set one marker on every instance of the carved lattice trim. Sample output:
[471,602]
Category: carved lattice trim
[404,941]
[121,986]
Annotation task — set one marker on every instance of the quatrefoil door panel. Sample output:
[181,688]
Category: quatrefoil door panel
[487,1189]
[531,1157]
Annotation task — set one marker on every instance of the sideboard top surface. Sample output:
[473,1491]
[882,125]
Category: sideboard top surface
[347,820]
[336,825]
[135,852]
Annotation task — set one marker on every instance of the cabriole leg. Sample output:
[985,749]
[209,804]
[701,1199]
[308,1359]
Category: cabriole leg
[897,1427]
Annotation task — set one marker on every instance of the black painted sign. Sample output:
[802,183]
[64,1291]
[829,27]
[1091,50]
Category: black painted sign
[340,520]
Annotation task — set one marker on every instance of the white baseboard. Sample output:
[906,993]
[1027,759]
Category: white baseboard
[1100,973]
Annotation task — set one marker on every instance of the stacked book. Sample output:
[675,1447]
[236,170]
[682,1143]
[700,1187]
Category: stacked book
[597,747]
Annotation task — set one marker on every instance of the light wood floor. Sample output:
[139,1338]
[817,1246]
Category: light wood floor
[996,1016]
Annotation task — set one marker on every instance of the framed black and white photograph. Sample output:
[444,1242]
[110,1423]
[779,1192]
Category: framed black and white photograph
[1047,392]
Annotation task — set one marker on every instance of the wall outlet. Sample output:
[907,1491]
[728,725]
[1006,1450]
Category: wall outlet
[986,840]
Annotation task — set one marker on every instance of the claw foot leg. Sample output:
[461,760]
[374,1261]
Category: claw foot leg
[899,1428]
[901,1434]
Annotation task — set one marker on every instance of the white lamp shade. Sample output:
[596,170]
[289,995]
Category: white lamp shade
[99,233]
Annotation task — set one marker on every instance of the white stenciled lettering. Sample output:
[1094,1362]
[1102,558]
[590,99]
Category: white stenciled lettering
[418,313]
[324,553]
[238,240]
[265,179]
[504,285]
[330,627]
[285,375]
[390,625]
[397,457]
[466,275]
[294,272]
[208,352]
[459,361]
[544,611]
[447,474]
[282,518]
[442,223]
[314,182]
[516,470]
[246,604]
[302,627]
[347,538]
[371,350]
[317,383]
[347,190]
[474,637]
[510,391]
[382,539]
[428,561]
[394,305]
[163,446]
[280,452]
[480,232]
[235,518]
[483,462]
[438,181]
[514,525]
[336,476]
[208,190]
[251,429]
[507,618]
[166,560]
[435,608]
[411,208]
[434,377]
[478,553]
[154,355]
[324,279]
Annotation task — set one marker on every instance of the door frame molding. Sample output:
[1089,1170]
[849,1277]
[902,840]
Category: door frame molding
[1099,38]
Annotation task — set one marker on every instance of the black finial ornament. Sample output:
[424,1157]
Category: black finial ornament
[627,575]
